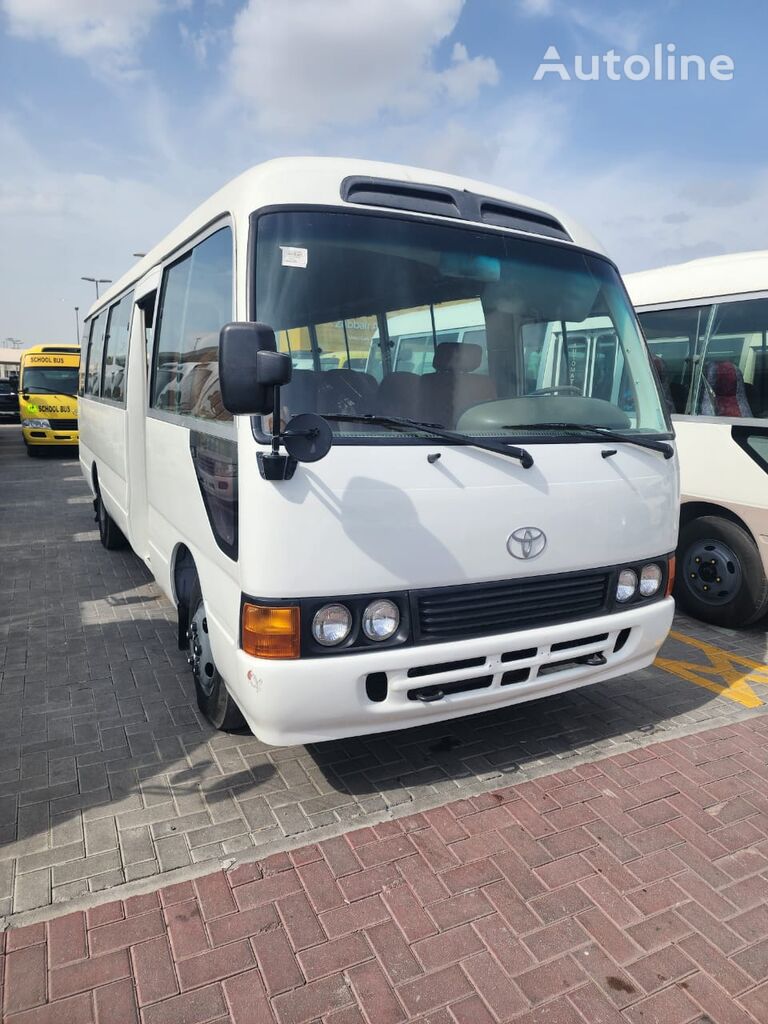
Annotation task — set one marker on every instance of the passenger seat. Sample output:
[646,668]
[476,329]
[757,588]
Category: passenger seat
[723,393]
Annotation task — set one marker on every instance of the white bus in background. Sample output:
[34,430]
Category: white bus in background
[706,323]
[354,551]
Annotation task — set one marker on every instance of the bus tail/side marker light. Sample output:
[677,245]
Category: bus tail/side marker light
[271,632]
[670,576]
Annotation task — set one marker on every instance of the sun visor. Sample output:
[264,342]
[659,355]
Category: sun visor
[544,293]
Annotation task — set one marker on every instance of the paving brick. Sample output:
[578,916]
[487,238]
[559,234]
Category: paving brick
[246,999]
[88,974]
[657,969]
[471,876]
[277,961]
[265,890]
[471,1011]
[449,947]
[300,921]
[433,990]
[656,931]
[25,978]
[556,939]
[214,895]
[756,1002]
[550,979]
[314,1000]
[239,926]
[115,1004]
[77,1008]
[504,944]
[125,933]
[66,939]
[459,909]
[392,952]
[195,1007]
[753,960]
[215,965]
[153,970]
[320,885]
[494,986]
[407,913]
[334,956]
[374,994]
[670,1006]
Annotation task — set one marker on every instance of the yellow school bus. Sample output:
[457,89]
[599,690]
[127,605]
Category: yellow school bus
[48,396]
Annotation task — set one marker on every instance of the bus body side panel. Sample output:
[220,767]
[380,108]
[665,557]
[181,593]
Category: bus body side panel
[176,516]
[106,430]
[716,470]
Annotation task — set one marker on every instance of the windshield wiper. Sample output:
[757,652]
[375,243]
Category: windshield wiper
[400,423]
[604,432]
[38,389]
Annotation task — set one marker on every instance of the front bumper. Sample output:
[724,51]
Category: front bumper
[308,701]
[38,436]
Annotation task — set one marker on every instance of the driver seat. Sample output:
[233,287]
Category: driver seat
[453,387]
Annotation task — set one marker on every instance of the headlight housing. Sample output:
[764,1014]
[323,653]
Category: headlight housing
[381,619]
[37,424]
[651,577]
[332,624]
[626,586]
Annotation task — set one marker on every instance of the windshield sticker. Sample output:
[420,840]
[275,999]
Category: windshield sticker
[293,256]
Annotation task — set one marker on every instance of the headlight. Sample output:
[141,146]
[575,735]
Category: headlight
[381,619]
[37,424]
[627,585]
[650,579]
[331,624]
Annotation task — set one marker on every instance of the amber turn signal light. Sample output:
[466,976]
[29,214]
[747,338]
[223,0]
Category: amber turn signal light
[271,632]
[670,575]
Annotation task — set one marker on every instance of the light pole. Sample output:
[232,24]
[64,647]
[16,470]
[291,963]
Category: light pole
[97,281]
[77,323]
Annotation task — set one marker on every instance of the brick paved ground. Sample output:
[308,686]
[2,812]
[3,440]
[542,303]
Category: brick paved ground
[629,891]
[108,774]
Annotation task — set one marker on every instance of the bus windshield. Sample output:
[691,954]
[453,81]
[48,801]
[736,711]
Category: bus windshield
[51,380]
[469,329]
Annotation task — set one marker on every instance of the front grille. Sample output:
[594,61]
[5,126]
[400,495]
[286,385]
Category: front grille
[453,613]
[60,425]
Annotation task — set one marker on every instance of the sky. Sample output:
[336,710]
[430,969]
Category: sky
[117,117]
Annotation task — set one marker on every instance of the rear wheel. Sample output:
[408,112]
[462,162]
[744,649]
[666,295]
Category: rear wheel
[110,534]
[720,577]
[213,698]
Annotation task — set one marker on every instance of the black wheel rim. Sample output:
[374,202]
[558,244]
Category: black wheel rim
[712,571]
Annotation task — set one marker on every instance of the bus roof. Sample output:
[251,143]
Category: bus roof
[733,274]
[61,350]
[317,181]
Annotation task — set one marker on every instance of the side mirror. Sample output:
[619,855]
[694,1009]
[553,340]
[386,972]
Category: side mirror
[250,368]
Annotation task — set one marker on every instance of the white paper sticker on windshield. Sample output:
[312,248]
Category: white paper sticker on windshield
[293,256]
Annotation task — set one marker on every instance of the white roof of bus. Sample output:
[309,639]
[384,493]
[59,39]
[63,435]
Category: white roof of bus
[734,274]
[316,181]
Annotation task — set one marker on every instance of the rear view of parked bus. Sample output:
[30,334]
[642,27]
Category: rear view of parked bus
[707,327]
[48,397]
[391,442]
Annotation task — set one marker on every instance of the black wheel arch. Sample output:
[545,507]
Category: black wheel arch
[185,576]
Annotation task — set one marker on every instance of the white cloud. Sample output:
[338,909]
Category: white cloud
[105,31]
[623,28]
[536,7]
[303,66]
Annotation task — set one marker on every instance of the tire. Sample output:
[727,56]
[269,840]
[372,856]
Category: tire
[213,697]
[33,451]
[110,534]
[720,577]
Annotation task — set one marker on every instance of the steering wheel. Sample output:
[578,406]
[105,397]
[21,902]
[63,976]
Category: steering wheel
[565,389]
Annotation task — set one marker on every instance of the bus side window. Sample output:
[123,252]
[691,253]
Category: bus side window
[116,348]
[195,303]
[94,358]
[673,339]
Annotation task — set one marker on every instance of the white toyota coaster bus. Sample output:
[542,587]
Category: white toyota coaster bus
[356,541]
[707,328]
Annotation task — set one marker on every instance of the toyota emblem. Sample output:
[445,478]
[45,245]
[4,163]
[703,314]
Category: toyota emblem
[527,542]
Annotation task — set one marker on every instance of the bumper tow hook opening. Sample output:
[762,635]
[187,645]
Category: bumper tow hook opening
[428,697]
[592,659]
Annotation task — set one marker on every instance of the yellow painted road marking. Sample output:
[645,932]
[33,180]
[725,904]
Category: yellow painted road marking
[725,675]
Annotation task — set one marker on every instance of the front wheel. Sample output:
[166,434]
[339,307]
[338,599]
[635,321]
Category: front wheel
[720,577]
[110,534]
[213,698]
[33,451]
